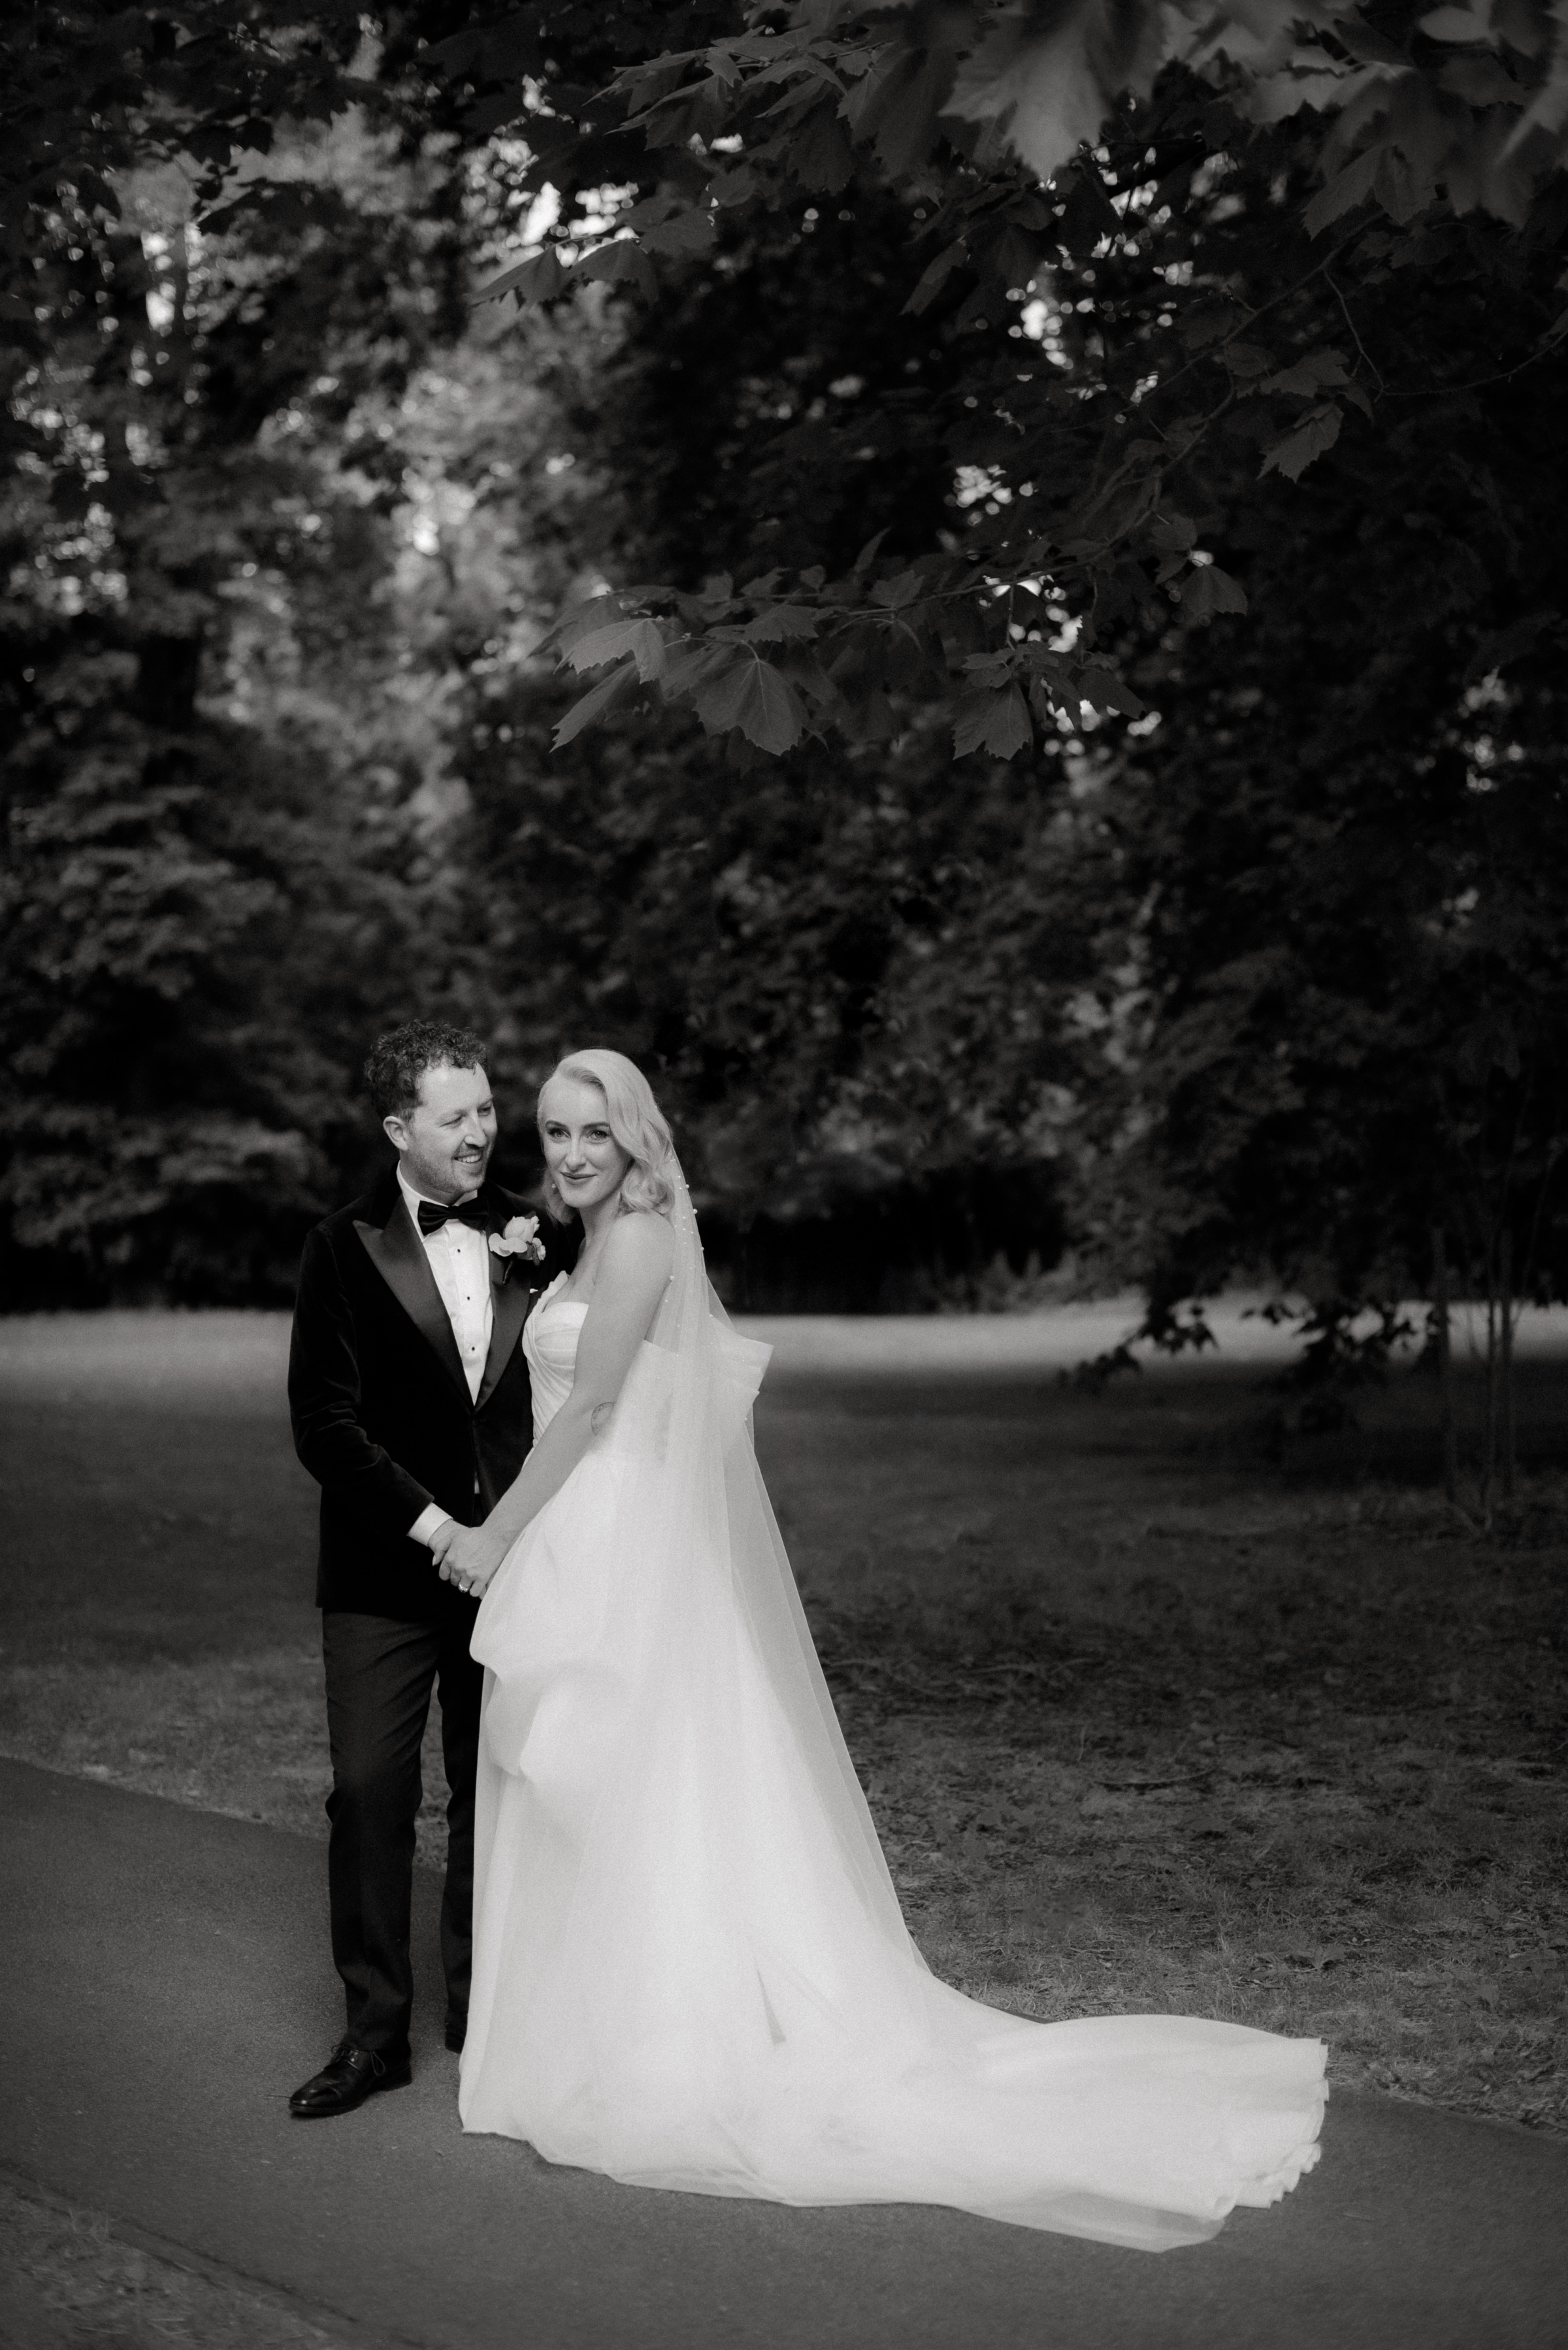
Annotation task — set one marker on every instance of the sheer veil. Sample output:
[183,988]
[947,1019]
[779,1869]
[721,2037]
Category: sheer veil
[712,1495]
[690,1966]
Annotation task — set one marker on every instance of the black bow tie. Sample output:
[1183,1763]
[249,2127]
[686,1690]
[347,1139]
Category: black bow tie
[467,1211]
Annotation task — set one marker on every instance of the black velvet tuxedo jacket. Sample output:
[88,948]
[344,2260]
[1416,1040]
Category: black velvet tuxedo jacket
[382,1416]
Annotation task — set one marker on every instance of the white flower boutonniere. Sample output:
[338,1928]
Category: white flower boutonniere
[520,1238]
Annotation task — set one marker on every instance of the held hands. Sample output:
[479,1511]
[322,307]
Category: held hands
[467,1557]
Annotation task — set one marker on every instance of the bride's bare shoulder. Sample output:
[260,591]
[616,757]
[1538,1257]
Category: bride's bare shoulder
[641,1246]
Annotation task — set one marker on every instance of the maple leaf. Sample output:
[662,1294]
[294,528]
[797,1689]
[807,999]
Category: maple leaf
[1045,79]
[758,700]
[1210,590]
[994,720]
[593,704]
[1292,456]
[641,638]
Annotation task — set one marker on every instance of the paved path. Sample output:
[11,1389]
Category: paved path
[166,1983]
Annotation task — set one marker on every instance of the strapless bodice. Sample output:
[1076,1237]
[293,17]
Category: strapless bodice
[550,1346]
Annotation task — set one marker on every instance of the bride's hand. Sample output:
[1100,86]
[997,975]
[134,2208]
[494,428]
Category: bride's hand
[471,1559]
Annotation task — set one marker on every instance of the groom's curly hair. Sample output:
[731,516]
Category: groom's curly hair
[400,1059]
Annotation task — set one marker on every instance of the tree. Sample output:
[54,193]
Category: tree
[209,895]
[810,972]
[1311,1090]
[809,961]
[1338,990]
[1079,464]
[997,461]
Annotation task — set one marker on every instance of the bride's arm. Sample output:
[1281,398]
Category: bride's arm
[633,1272]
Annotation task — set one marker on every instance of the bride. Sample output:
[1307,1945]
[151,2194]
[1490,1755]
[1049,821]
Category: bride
[691,1970]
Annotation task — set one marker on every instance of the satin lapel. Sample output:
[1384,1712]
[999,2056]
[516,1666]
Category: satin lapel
[397,1254]
[510,1298]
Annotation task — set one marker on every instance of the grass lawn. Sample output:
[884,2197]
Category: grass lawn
[1149,1717]
[69,2282]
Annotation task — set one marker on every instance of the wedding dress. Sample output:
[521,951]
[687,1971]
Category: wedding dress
[690,1969]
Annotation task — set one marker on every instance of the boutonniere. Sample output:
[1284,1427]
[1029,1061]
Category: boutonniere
[520,1238]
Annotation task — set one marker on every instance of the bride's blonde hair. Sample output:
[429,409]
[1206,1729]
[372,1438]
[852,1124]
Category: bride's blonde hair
[635,1121]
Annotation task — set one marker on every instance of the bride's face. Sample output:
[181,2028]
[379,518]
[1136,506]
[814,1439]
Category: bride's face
[582,1154]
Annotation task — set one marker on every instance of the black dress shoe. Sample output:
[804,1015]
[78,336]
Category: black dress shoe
[456,2031]
[351,2074]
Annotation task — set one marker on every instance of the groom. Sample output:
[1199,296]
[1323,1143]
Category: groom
[410,1399]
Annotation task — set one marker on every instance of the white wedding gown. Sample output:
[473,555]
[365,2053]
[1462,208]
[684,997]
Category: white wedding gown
[691,1970]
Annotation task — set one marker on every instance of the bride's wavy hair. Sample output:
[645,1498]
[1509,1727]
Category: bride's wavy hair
[635,1121]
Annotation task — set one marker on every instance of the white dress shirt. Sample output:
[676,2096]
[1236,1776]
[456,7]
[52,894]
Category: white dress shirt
[459,1261]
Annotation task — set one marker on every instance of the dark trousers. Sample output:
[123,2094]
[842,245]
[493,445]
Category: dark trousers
[380,1675]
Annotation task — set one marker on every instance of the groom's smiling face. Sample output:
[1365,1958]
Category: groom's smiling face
[446,1141]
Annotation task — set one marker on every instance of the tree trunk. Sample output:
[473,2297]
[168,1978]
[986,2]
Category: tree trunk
[1505,1256]
[1445,1364]
[1489,1438]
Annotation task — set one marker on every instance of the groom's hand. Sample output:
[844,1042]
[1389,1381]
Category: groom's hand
[468,1556]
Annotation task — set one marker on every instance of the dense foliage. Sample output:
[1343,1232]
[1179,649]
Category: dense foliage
[206,902]
[1176,271]
[1089,768]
